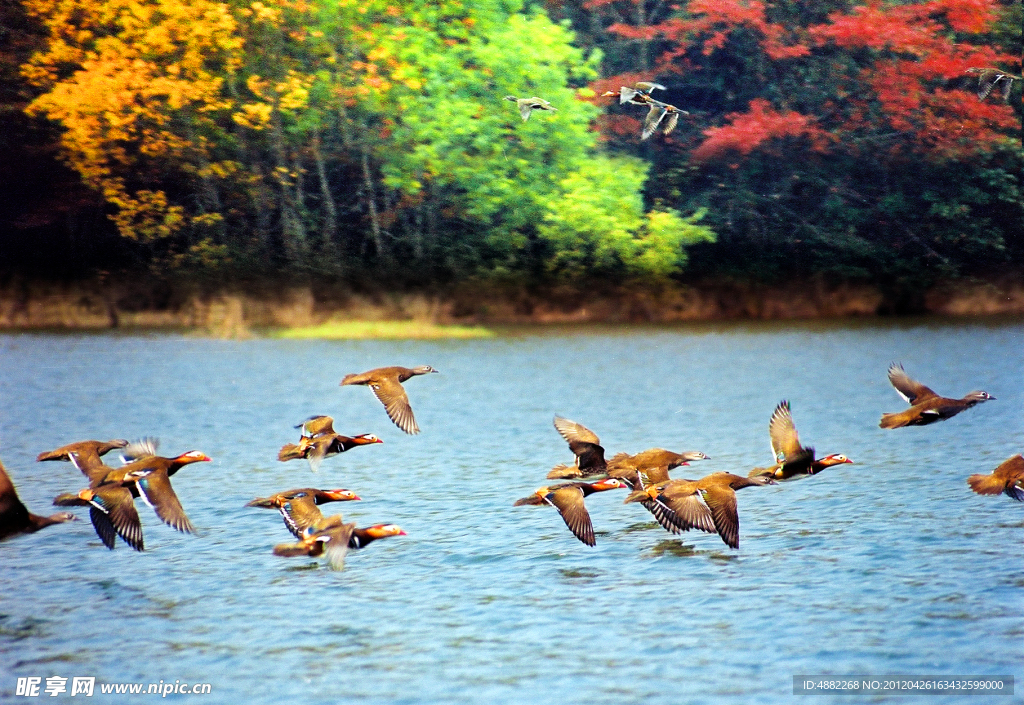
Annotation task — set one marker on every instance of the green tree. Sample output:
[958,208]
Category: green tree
[460,160]
[596,223]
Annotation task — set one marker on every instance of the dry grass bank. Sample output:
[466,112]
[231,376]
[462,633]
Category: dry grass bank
[257,310]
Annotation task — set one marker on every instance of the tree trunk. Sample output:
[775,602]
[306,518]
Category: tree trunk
[330,208]
[371,201]
[292,231]
[255,191]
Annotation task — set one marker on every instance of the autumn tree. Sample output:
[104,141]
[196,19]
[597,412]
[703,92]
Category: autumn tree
[346,136]
[830,136]
[137,88]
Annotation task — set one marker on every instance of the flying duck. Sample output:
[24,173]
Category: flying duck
[386,383]
[653,463]
[15,518]
[639,94]
[299,507]
[926,407]
[319,441]
[568,500]
[708,504]
[792,460]
[329,540]
[585,445]
[650,466]
[89,452]
[112,512]
[989,77]
[333,539]
[660,112]
[528,105]
[1008,478]
[148,475]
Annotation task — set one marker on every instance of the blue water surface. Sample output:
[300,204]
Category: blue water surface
[887,566]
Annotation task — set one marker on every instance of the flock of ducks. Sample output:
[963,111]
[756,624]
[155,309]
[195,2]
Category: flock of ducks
[658,113]
[667,116]
[707,504]
[111,491]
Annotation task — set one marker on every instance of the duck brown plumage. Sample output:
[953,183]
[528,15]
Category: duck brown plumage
[568,499]
[650,466]
[386,383]
[528,105]
[319,440]
[15,518]
[314,450]
[654,464]
[300,507]
[708,504]
[330,541]
[639,94]
[792,460]
[1008,478]
[90,465]
[688,511]
[319,425]
[333,539]
[586,446]
[86,456]
[989,77]
[926,406]
[148,475]
[88,452]
[644,468]
[112,512]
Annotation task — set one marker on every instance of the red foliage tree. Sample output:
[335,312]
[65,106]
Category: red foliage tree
[748,131]
[851,75]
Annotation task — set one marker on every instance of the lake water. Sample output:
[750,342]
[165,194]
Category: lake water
[887,566]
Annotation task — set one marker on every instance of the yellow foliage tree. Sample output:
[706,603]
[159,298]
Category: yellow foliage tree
[139,87]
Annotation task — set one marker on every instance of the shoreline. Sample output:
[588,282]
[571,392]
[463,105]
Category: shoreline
[236,312]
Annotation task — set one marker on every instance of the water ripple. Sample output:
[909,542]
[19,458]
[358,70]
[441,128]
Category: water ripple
[887,566]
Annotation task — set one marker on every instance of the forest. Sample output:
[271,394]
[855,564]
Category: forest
[368,142]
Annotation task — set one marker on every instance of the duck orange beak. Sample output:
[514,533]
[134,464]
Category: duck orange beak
[342,495]
[382,530]
[195,456]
